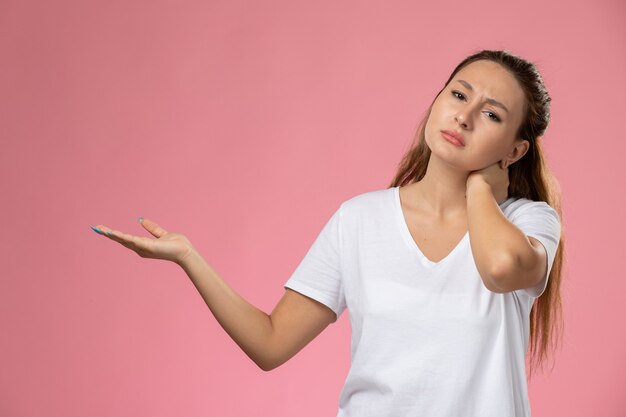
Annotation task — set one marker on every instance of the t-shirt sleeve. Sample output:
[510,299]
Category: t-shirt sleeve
[319,274]
[539,220]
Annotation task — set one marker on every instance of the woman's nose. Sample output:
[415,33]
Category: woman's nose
[461,120]
[465,114]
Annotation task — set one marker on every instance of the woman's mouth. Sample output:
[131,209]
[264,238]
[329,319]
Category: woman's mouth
[452,139]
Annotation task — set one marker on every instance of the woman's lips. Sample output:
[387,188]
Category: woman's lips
[452,139]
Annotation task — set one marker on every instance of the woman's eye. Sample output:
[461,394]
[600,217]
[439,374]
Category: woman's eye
[456,92]
[495,118]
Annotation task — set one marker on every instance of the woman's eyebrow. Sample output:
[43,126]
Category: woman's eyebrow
[488,99]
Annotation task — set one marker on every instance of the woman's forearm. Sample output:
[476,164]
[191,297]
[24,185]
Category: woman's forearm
[247,325]
[492,236]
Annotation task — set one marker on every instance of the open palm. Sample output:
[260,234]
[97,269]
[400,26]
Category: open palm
[169,246]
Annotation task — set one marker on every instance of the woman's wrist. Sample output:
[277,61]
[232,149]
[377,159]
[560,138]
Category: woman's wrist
[190,256]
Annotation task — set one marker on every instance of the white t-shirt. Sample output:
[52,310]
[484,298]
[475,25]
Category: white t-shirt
[428,338]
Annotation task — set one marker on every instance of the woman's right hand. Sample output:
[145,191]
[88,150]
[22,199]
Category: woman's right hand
[169,246]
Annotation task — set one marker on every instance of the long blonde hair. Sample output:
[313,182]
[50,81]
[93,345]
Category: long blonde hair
[529,177]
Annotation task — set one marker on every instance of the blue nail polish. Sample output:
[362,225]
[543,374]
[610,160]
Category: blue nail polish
[95,229]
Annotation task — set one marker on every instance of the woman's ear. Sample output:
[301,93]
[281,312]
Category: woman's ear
[520,149]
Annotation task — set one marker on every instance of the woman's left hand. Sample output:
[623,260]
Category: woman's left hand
[494,175]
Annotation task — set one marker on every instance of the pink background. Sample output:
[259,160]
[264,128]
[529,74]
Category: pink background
[243,125]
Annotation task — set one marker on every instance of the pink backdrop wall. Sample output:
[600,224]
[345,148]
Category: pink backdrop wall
[243,124]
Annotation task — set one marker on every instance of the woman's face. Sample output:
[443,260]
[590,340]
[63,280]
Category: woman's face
[466,106]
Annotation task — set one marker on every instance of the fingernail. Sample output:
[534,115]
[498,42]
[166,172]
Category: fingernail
[141,220]
[95,229]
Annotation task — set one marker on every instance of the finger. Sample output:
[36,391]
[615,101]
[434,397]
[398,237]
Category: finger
[152,227]
[113,234]
[103,230]
[122,239]
[97,230]
[132,242]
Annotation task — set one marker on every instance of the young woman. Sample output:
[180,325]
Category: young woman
[446,273]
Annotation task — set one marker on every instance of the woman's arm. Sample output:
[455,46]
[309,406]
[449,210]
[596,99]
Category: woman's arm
[506,258]
[269,340]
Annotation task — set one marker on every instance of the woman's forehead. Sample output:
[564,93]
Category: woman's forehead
[486,76]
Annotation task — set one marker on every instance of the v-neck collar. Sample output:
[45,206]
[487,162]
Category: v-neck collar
[408,238]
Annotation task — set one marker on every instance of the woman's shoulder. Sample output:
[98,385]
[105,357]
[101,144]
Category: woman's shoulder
[515,206]
[367,200]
